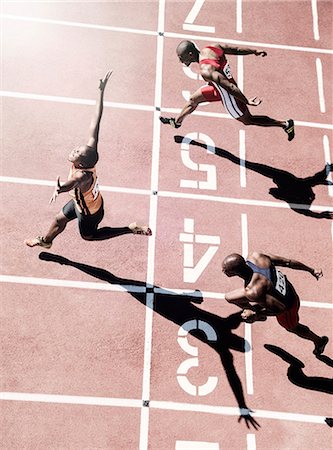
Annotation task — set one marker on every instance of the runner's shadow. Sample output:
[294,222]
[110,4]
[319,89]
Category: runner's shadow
[215,331]
[297,376]
[297,192]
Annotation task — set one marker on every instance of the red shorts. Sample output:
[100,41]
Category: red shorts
[215,93]
[289,319]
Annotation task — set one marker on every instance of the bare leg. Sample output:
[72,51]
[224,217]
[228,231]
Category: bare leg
[304,332]
[265,121]
[58,225]
[189,107]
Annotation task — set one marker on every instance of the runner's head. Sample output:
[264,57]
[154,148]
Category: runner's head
[83,156]
[188,52]
[233,265]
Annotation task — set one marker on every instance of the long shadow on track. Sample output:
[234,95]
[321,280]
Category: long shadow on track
[179,308]
[297,192]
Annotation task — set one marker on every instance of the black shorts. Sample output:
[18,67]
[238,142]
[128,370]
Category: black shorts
[87,223]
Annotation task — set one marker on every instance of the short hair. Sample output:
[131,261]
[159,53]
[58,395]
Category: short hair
[185,47]
[234,262]
[89,158]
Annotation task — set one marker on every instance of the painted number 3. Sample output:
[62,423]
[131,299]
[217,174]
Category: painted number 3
[186,365]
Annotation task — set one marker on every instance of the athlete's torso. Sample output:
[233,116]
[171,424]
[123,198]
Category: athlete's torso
[90,201]
[217,59]
[281,288]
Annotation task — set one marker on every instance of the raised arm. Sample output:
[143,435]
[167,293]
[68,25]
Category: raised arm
[294,264]
[233,50]
[96,120]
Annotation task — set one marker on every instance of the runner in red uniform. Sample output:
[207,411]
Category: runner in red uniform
[87,203]
[268,292]
[221,86]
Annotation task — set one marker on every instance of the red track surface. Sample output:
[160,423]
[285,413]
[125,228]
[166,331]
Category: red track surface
[84,341]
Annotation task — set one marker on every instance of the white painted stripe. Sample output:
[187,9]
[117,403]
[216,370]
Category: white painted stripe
[37,182]
[229,411]
[309,304]
[70,399]
[200,28]
[78,24]
[250,202]
[136,107]
[251,441]
[328,160]
[239,201]
[129,288]
[319,69]
[196,445]
[74,101]
[248,330]
[71,284]
[315,19]
[171,34]
[144,422]
[163,405]
[239,25]
[242,157]
[325,126]
[240,72]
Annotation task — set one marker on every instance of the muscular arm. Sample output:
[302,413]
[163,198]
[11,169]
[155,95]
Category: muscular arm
[294,264]
[233,50]
[96,119]
[209,73]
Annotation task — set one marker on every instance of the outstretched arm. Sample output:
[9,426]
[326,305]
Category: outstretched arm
[233,50]
[294,264]
[96,120]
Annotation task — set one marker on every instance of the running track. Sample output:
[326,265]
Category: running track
[102,359]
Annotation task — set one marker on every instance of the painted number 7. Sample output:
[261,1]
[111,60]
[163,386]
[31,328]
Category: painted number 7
[192,15]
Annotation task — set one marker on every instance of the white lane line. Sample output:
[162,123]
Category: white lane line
[144,420]
[37,182]
[230,411]
[136,107]
[242,157]
[74,101]
[70,399]
[129,288]
[251,441]
[71,284]
[238,201]
[315,19]
[162,405]
[239,25]
[248,330]
[328,160]
[247,43]
[319,69]
[325,126]
[169,34]
[78,24]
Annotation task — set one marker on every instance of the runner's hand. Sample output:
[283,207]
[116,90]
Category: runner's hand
[249,420]
[248,315]
[317,273]
[103,82]
[255,101]
[55,192]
